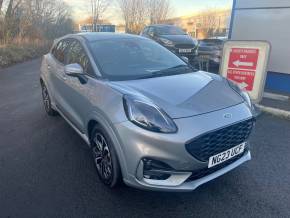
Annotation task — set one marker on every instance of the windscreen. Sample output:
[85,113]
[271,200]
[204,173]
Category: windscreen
[169,30]
[125,59]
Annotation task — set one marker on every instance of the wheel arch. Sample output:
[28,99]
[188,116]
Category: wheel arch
[109,128]
[41,81]
[91,124]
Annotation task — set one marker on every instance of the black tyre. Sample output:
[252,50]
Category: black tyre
[105,158]
[47,102]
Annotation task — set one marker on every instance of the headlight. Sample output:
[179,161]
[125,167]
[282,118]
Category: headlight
[242,93]
[147,115]
[166,42]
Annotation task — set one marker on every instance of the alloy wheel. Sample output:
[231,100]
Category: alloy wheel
[45,96]
[102,157]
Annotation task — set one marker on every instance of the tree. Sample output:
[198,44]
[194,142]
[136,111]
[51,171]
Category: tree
[35,19]
[1,2]
[159,10]
[98,8]
[1,22]
[210,21]
[135,14]
[11,20]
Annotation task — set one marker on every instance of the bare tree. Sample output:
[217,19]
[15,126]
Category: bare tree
[135,14]
[98,8]
[9,9]
[1,2]
[159,10]
[210,21]
[11,20]
[35,19]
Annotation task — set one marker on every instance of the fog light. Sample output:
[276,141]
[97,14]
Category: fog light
[156,170]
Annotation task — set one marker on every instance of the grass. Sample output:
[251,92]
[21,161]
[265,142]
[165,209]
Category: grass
[18,52]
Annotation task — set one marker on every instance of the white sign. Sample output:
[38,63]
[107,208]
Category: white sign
[245,63]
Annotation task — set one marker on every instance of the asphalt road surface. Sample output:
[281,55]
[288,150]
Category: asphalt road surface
[46,170]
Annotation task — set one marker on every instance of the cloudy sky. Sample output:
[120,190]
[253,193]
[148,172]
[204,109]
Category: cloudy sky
[81,8]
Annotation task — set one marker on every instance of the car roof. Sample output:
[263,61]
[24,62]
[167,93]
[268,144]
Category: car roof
[161,25]
[95,36]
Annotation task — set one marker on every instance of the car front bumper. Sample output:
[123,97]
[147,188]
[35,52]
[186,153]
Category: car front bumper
[189,186]
[137,144]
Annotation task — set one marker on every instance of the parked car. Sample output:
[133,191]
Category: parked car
[212,48]
[149,118]
[173,38]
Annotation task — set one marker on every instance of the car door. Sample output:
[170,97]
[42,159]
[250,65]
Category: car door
[57,75]
[75,92]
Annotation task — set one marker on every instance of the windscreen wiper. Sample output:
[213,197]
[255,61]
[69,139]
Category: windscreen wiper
[168,72]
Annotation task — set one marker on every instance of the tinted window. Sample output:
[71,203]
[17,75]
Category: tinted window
[211,42]
[150,31]
[123,59]
[76,54]
[169,30]
[145,31]
[59,50]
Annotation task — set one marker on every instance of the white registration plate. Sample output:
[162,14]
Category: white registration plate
[185,50]
[226,155]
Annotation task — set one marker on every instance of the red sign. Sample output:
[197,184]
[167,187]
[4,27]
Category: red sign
[244,78]
[243,58]
[243,64]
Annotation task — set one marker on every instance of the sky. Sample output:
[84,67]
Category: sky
[80,8]
[187,7]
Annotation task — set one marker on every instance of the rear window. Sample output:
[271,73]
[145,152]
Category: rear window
[211,42]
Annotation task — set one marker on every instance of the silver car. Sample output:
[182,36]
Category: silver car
[150,119]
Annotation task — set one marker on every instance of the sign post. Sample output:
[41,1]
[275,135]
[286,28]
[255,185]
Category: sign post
[245,63]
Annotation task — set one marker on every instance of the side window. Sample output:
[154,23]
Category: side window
[151,31]
[145,31]
[76,54]
[59,50]
[54,49]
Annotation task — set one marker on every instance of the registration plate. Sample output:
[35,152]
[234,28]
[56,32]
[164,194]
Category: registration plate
[185,50]
[226,155]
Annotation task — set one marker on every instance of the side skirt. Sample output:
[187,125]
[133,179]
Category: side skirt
[84,136]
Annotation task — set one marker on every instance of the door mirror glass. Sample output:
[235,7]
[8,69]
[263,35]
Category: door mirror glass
[73,69]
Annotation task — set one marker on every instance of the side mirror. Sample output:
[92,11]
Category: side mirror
[76,70]
[73,70]
[151,34]
[185,59]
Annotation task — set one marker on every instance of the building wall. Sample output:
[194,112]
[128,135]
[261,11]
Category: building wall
[120,29]
[266,20]
[204,24]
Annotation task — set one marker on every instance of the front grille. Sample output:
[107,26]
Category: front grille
[209,144]
[207,171]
